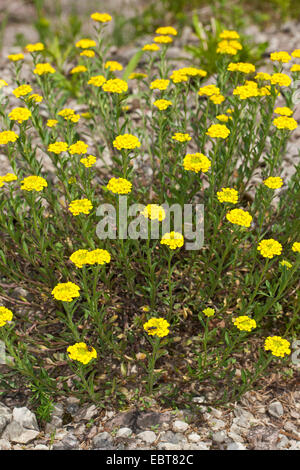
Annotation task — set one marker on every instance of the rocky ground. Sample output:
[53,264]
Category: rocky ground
[257,422]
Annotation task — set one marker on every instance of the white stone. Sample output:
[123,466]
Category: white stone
[25,418]
[147,436]
[41,447]
[219,436]
[216,424]
[276,409]
[124,432]
[180,426]
[236,446]
[4,444]
[167,446]
[26,436]
[194,437]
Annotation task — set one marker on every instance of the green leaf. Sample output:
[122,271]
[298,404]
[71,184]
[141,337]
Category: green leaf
[132,65]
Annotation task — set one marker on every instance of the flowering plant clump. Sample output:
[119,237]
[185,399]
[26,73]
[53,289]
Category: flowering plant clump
[158,197]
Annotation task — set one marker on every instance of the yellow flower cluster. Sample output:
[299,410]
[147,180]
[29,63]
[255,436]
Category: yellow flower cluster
[273,182]
[228,195]
[89,161]
[6,315]
[295,68]
[115,85]
[281,56]
[42,69]
[85,43]
[7,137]
[208,312]
[154,212]
[22,90]
[244,323]
[284,111]
[162,104]
[179,137]
[119,186]
[243,67]
[159,84]
[80,206]
[87,53]
[78,69]
[51,123]
[277,345]
[183,74]
[228,46]
[284,122]
[223,117]
[97,80]
[37,47]
[58,147]
[35,97]
[78,148]
[166,30]
[249,90]
[113,65]
[163,39]
[66,291]
[33,183]
[296,247]
[101,17]
[209,90]
[82,257]
[196,162]
[229,34]
[239,217]
[82,353]
[3,83]
[280,79]
[218,131]
[269,248]
[7,178]
[151,47]
[69,115]
[263,76]
[126,141]
[286,264]
[19,114]
[173,240]
[157,327]
[15,57]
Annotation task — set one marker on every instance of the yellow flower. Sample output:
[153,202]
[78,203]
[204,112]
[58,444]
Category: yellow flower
[223,117]
[277,345]
[244,323]
[196,162]
[15,57]
[281,56]
[159,84]
[296,247]
[284,111]
[97,80]
[173,240]
[243,67]
[230,47]
[269,248]
[209,312]
[80,206]
[218,131]
[217,99]
[296,54]
[286,264]
[58,147]
[295,68]
[22,90]
[157,327]
[163,39]
[66,291]
[98,256]
[78,69]
[229,34]
[8,136]
[179,137]
[87,53]
[137,76]
[126,141]
[79,258]
[249,90]
[6,316]
[119,186]
[88,161]
[162,104]
[19,114]
[78,148]
[115,85]
[33,183]
[8,177]
[154,212]
[280,79]
[239,217]
[51,123]
[284,122]
[273,182]
[151,47]
[35,97]
[3,83]
[41,69]
[82,353]
[178,76]
[263,76]
[113,65]
[37,47]
[101,17]
[228,195]
[166,30]
[85,43]
[209,90]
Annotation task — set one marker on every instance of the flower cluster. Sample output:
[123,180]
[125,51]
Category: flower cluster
[180,137]
[126,141]
[33,183]
[241,67]
[209,312]
[218,131]
[196,162]
[115,85]
[173,240]
[88,161]
[277,345]
[22,90]
[269,248]
[239,217]
[20,115]
[157,327]
[101,17]
[119,186]
[66,291]
[80,206]
[82,257]
[228,195]
[159,84]
[273,182]
[78,148]
[284,122]
[244,323]
[8,136]
[154,212]
[6,316]
[42,69]
[162,104]
[82,353]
